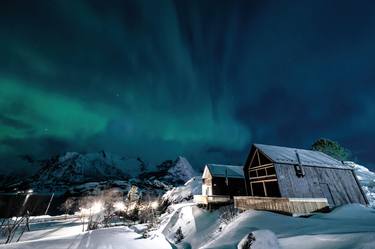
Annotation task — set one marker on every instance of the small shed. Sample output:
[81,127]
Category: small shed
[274,171]
[223,180]
[220,183]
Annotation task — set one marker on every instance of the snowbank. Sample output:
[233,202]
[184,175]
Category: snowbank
[367,180]
[114,238]
[198,225]
[185,192]
[347,227]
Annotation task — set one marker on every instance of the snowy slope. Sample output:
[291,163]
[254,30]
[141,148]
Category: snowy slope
[366,179]
[67,234]
[347,227]
[185,192]
[182,170]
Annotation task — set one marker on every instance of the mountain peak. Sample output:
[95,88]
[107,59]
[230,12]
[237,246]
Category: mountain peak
[182,169]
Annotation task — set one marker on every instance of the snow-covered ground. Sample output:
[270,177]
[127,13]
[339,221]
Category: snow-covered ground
[67,234]
[347,227]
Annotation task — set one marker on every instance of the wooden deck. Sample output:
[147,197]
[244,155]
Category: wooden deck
[211,199]
[294,206]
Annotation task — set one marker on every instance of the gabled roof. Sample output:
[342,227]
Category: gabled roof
[230,171]
[287,155]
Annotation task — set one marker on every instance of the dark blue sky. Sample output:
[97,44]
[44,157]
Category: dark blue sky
[204,79]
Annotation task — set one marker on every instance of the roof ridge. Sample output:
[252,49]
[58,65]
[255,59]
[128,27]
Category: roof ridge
[224,165]
[308,157]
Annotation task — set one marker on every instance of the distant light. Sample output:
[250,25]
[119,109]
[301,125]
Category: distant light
[95,208]
[119,206]
[154,205]
[30,191]
[132,206]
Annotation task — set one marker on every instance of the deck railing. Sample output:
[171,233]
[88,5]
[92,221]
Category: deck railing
[209,199]
[286,205]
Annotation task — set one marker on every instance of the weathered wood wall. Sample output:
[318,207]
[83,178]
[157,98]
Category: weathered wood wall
[339,186]
[284,205]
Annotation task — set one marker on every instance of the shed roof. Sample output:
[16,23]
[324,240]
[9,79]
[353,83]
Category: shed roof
[285,155]
[230,171]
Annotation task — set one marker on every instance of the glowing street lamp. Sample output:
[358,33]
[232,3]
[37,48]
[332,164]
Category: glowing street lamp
[119,206]
[154,205]
[95,208]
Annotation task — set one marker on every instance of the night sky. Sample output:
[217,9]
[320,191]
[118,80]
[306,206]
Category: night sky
[204,79]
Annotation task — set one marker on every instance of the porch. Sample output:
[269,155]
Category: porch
[293,206]
[211,199]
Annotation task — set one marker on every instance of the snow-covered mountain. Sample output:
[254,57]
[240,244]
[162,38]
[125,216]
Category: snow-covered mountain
[62,172]
[76,173]
[181,170]
[185,192]
[366,179]
[175,172]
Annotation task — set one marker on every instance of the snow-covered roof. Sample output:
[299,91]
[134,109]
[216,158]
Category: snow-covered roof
[287,155]
[230,171]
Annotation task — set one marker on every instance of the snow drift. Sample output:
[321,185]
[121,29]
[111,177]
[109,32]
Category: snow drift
[185,192]
[367,181]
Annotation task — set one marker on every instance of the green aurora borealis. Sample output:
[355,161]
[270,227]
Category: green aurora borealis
[204,79]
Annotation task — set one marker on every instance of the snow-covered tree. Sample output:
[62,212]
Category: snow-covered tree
[67,206]
[179,236]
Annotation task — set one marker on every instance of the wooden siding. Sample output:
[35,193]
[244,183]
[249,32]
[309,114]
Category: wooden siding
[339,186]
[285,205]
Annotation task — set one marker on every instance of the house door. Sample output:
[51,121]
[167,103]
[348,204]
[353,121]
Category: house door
[327,194]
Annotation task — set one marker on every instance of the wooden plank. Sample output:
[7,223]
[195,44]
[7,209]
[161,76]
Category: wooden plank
[285,205]
[269,180]
[268,165]
[252,158]
[259,177]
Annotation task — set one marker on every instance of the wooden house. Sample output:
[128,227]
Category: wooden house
[300,175]
[220,183]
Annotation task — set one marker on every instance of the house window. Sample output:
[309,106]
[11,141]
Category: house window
[299,170]
[272,189]
[258,189]
[253,173]
[261,172]
[271,171]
